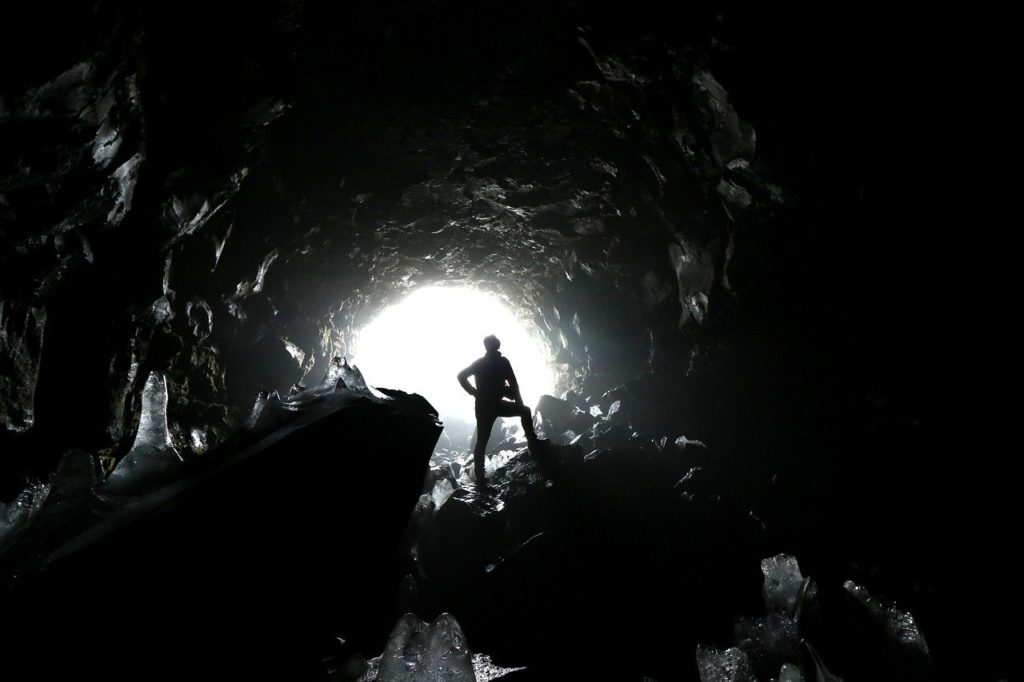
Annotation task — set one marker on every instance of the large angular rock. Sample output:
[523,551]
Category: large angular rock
[261,548]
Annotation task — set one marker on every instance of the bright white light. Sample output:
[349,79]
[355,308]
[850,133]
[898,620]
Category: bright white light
[420,343]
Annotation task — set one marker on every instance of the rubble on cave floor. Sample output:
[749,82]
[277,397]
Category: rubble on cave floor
[781,646]
[612,524]
[570,532]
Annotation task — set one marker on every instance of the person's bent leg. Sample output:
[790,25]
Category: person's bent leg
[527,419]
[509,409]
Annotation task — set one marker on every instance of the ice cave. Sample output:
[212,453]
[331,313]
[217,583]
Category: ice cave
[726,280]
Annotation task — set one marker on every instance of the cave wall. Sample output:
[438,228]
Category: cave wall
[791,216]
[203,211]
[753,203]
[116,144]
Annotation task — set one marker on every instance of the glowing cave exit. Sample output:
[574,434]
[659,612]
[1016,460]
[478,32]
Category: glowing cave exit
[420,343]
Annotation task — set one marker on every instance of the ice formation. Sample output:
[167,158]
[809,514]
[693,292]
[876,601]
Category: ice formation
[15,516]
[152,458]
[483,668]
[790,673]
[899,625]
[730,665]
[782,583]
[418,652]
[774,637]
[442,491]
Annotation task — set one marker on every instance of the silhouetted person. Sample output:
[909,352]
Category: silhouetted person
[495,381]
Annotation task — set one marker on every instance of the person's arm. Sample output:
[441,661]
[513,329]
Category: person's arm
[513,384]
[464,380]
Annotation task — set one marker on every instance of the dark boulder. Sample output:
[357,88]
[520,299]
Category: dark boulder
[239,568]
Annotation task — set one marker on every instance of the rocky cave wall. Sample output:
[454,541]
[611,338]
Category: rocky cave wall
[233,212]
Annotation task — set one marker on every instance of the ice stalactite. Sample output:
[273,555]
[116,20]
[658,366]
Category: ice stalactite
[152,458]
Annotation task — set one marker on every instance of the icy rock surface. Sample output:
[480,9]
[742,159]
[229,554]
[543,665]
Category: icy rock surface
[153,430]
[152,458]
[48,505]
[899,625]
[775,637]
[442,491]
[449,659]
[730,665]
[336,371]
[16,515]
[21,337]
[257,409]
[498,461]
[75,480]
[684,442]
[483,668]
[350,376]
[418,652]
[790,673]
[782,582]
[486,671]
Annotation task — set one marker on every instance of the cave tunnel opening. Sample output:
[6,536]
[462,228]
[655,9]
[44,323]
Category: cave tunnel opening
[420,342]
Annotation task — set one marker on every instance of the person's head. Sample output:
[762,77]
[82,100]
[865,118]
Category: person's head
[492,344]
